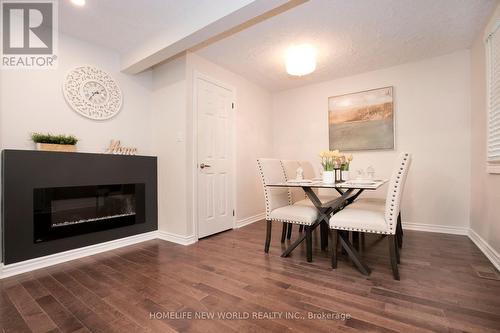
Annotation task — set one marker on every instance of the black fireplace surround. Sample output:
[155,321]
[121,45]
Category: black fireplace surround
[55,201]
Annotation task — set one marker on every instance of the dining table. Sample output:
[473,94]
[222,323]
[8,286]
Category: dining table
[348,192]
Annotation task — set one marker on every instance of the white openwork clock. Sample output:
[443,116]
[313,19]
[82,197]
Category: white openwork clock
[92,93]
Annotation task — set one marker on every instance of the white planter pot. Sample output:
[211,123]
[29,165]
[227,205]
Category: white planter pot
[345,175]
[328,177]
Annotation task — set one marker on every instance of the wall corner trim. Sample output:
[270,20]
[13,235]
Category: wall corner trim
[249,220]
[486,248]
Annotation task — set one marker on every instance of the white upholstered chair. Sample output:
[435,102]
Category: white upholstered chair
[279,207]
[290,167]
[308,168]
[296,193]
[379,204]
[370,217]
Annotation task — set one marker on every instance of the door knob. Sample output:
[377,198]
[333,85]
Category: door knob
[203,166]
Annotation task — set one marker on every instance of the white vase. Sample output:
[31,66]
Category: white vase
[328,177]
[345,175]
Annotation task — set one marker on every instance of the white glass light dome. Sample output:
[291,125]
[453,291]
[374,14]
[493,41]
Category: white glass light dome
[300,60]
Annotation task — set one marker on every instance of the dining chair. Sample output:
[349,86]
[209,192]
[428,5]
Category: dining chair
[297,194]
[368,218]
[290,167]
[379,203]
[279,207]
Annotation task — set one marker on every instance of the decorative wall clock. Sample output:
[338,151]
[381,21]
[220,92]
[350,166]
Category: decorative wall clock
[92,93]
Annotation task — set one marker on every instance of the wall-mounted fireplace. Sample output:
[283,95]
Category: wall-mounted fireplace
[60,212]
[54,202]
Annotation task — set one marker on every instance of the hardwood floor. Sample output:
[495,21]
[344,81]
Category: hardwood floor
[151,285]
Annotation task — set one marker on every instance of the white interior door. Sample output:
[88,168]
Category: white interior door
[214,105]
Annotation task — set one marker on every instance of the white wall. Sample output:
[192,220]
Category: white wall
[32,101]
[485,196]
[169,132]
[173,140]
[432,111]
[156,112]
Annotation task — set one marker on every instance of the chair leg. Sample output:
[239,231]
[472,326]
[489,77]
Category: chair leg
[309,243]
[301,228]
[396,246]
[323,227]
[394,260]
[400,223]
[399,231]
[283,232]
[397,236]
[334,238]
[268,236]
[289,233]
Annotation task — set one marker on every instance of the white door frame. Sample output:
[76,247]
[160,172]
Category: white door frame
[198,75]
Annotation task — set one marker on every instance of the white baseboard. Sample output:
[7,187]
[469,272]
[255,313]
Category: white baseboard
[488,251]
[57,258]
[249,220]
[36,263]
[444,229]
[175,238]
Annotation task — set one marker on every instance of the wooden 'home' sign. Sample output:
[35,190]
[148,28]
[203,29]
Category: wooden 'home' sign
[116,148]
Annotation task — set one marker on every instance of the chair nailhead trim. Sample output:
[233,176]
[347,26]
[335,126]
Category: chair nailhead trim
[266,189]
[290,221]
[393,205]
[362,230]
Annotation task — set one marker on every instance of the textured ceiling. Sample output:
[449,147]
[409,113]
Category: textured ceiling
[351,36]
[123,25]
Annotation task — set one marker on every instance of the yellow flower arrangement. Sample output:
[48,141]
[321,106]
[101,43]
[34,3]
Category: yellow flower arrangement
[334,159]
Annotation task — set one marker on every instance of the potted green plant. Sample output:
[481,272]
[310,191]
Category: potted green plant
[49,142]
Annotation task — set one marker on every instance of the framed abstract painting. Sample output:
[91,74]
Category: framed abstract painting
[362,120]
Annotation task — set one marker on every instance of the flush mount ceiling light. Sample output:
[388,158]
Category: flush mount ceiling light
[79,3]
[300,60]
